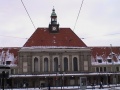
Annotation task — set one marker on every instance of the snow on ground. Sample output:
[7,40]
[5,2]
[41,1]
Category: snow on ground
[59,88]
[106,87]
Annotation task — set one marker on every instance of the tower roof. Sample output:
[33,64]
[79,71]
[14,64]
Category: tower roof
[53,12]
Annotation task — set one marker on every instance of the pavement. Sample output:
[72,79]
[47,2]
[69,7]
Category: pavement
[105,87]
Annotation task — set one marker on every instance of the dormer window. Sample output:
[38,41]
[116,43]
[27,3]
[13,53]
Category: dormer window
[8,62]
[99,60]
[109,60]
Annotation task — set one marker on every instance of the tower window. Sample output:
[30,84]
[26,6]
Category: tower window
[52,19]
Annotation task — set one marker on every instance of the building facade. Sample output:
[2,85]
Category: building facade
[55,56]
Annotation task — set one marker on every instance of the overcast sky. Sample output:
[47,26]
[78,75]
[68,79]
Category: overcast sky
[98,22]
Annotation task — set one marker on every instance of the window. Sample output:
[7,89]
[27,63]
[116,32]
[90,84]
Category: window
[100,69]
[75,64]
[99,60]
[65,64]
[35,64]
[109,60]
[55,64]
[12,71]
[8,62]
[97,69]
[104,69]
[53,19]
[46,64]
[117,69]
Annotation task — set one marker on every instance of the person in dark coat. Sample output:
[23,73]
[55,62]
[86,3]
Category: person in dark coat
[101,85]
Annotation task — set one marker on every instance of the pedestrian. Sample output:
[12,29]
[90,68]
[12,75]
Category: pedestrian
[24,85]
[101,85]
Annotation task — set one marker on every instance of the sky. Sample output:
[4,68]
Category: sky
[97,24]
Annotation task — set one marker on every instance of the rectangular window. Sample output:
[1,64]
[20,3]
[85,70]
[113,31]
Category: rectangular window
[8,62]
[24,66]
[117,69]
[100,69]
[104,69]
[99,61]
[12,71]
[97,69]
[109,60]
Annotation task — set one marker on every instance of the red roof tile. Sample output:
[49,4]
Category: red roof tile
[65,37]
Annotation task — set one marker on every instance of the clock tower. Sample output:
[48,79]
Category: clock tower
[53,26]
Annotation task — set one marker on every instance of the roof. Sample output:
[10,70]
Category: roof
[105,53]
[53,12]
[13,50]
[65,37]
[9,54]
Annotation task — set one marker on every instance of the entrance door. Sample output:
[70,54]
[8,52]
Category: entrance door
[83,83]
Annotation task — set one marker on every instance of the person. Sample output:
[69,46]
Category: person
[101,85]
[24,85]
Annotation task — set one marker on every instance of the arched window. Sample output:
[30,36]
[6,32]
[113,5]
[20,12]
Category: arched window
[75,64]
[35,64]
[65,64]
[55,64]
[46,64]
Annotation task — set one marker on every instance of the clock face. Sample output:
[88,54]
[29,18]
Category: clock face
[54,28]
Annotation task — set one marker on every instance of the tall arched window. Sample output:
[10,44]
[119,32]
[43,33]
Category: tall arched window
[55,64]
[75,64]
[65,64]
[35,64]
[46,64]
